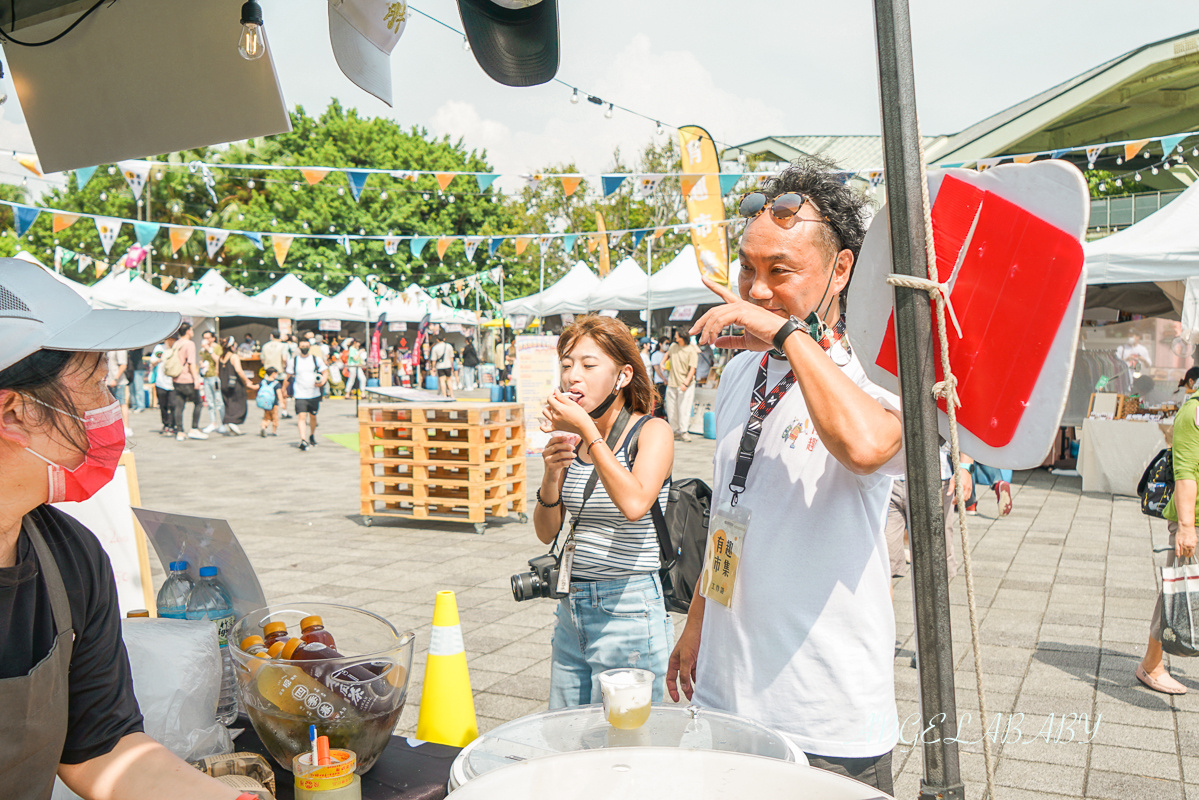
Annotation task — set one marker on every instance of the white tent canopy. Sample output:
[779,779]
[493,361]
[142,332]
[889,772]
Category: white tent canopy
[221,299]
[622,289]
[83,291]
[439,312]
[130,290]
[567,296]
[289,296]
[679,284]
[1162,247]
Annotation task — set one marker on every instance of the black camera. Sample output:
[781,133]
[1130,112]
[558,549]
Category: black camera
[540,581]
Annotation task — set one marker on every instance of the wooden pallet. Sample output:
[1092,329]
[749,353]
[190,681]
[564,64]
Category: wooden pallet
[451,461]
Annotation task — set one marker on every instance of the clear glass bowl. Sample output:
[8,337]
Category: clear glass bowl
[355,700]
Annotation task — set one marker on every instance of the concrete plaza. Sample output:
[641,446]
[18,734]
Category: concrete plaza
[1064,586]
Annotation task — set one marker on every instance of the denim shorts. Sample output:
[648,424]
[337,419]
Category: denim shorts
[604,625]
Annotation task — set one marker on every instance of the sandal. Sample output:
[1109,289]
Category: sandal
[1003,494]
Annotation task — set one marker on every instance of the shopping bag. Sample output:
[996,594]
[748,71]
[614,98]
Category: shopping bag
[1180,608]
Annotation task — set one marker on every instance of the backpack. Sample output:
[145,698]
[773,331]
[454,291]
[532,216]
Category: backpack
[1156,486]
[267,395]
[682,534]
[172,365]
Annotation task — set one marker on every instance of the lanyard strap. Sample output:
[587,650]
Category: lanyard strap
[760,406]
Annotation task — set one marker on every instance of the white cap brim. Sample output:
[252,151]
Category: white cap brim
[360,60]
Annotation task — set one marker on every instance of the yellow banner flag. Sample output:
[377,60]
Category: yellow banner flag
[443,244]
[705,208]
[443,179]
[179,237]
[60,222]
[522,242]
[166,281]
[601,233]
[314,176]
[1132,148]
[570,184]
[280,243]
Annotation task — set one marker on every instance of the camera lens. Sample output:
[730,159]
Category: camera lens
[524,586]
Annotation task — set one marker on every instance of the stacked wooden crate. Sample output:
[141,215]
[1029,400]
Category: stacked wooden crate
[445,461]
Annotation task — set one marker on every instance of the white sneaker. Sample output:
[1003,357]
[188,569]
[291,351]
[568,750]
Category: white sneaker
[686,437]
[195,433]
[236,430]
[209,428]
[222,429]
[129,431]
[179,437]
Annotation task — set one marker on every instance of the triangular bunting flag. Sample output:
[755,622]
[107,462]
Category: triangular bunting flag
[443,244]
[24,216]
[471,243]
[1059,153]
[1093,155]
[531,181]
[727,181]
[443,179]
[568,241]
[101,268]
[611,183]
[254,237]
[281,244]
[349,302]
[314,176]
[84,263]
[145,232]
[391,244]
[30,163]
[1027,158]
[646,184]
[184,283]
[875,177]
[357,179]
[82,176]
[179,236]
[987,163]
[108,228]
[494,245]
[658,232]
[60,222]
[214,240]
[135,174]
[544,241]
[637,237]
[1169,143]
[522,242]
[485,179]
[417,244]
[1132,148]
[166,281]
[687,183]
[614,238]
[345,243]
[592,243]
[570,183]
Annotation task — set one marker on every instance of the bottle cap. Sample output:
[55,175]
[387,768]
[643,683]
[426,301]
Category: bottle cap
[308,622]
[178,566]
[208,572]
[138,612]
[274,627]
[251,641]
[290,648]
[274,650]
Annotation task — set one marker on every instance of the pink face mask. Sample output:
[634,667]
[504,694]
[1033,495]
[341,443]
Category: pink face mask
[105,442]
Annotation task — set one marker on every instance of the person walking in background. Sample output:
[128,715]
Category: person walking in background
[442,357]
[270,397]
[1000,482]
[355,361]
[118,383]
[234,384]
[164,387]
[187,385]
[137,379]
[274,354]
[246,348]
[308,373]
[210,357]
[680,384]
[470,365]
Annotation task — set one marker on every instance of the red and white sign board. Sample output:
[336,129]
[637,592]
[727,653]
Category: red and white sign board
[1009,242]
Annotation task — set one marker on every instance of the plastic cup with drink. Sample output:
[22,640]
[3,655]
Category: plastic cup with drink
[627,693]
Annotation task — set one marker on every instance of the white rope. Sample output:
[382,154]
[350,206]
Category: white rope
[947,389]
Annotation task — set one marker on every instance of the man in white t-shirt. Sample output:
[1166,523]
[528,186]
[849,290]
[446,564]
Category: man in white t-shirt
[806,644]
[309,374]
[442,356]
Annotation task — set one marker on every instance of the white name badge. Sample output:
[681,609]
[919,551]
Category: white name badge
[726,538]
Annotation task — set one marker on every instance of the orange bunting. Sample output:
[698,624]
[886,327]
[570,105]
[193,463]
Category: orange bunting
[314,176]
[443,244]
[179,237]
[30,163]
[166,281]
[60,222]
[687,182]
[1132,148]
[522,242]
[280,244]
[443,179]
[592,243]
[658,232]
[570,184]
[1024,159]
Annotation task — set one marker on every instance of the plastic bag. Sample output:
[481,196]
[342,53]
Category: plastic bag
[1180,608]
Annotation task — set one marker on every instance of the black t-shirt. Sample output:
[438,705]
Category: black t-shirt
[102,707]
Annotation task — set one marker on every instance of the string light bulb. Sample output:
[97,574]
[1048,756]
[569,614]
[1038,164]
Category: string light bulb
[1154,170]
[658,129]
[1119,181]
[608,111]
[1137,176]
[252,43]
[574,97]
[465,44]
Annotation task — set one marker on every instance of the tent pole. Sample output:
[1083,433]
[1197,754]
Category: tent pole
[541,286]
[913,327]
[649,292]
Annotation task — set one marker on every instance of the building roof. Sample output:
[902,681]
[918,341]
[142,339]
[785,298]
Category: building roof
[851,153]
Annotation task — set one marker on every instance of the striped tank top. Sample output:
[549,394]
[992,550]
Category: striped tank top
[607,545]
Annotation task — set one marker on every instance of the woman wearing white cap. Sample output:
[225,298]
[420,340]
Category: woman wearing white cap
[65,685]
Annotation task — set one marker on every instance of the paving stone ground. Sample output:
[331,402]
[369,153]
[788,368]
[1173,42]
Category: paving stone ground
[1064,590]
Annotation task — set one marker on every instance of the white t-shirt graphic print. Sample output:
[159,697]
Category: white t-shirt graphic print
[808,645]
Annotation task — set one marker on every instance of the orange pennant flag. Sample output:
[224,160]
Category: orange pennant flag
[314,176]
[101,268]
[688,183]
[30,163]
[1132,148]
[166,281]
[443,179]
[1024,159]
[570,184]
[522,242]
[281,244]
[658,232]
[443,244]
[179,237]
[592,242]
[60,222]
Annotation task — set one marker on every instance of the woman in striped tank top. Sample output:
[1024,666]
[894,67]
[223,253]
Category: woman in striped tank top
[615,614]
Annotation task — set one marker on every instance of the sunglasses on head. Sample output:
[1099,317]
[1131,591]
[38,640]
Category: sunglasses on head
[784,207]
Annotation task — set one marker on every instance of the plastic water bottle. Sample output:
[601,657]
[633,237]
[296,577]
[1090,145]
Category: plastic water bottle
[172,597]
[209,600]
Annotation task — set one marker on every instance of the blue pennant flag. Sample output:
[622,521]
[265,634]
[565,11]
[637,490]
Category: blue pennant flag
[727,181]
[357,181]
[25,217]
[611,183]
[1059,153]
[568,241]
[1170,143]
[951,166]
[417,244]
[254,237]
[82,176]
[494,244]
[485,179]
[145,232]
[638,236]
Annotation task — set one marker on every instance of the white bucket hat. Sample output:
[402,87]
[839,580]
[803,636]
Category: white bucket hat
[363,34]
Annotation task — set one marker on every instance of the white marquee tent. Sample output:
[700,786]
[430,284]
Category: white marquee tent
[130,290]
[567,296]
[289,296]
[679,284]
[221,299]
[83,291]
[622,289]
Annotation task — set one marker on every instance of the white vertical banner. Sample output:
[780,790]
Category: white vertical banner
[536,375]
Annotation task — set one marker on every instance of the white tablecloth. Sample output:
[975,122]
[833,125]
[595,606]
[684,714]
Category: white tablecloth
[1114,452]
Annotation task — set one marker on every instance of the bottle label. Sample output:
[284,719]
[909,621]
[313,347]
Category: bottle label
[224,625]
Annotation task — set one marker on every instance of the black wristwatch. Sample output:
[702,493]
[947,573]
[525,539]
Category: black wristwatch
[792,325]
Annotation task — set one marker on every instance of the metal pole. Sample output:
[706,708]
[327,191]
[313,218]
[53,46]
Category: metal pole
[499,364]
[913,328]
[541,286]
[649,292]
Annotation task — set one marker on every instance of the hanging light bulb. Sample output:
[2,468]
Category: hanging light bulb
[250,184]
[112,170]
[1103,187]
[158,175]
[103,196]
[574,97]
[295,187]
[272,275]
[383,195]
[1146,154]
[240,217]
[252,43]
[658,129]
[1154,170]
[1119,181]
[341,190]
[1137,176]
[1119,160]
[465,44]
[1195,151]
[608,111]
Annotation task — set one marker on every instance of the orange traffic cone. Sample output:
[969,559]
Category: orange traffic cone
[447,707]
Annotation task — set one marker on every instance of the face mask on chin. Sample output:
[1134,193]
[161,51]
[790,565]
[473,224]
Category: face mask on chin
[105,429]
